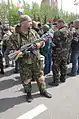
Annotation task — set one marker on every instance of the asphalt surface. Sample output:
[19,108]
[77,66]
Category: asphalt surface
[64,103]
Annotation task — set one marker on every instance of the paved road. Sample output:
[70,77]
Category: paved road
[63,105]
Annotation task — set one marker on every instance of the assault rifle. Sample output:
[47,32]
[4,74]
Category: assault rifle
[31,47]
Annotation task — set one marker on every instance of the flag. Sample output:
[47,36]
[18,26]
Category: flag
[18,4]
[76,2]
[20,7]
[51,20]
[56,3]
[20,11]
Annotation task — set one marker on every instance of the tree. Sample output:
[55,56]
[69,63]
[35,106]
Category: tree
[27,9]
[3,11]
[13,16]
[35,11]
[9,12]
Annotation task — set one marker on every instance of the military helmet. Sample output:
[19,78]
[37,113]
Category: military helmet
[45,28]
[76,23]
[25,18]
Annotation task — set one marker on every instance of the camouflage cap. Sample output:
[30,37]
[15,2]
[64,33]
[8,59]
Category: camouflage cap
[77,31]
[60,20]
[24,18]
[76,21]
[45,28]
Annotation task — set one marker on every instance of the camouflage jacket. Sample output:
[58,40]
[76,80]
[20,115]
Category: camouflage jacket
[1,43]
[18,39]
[62,40]
[1,32]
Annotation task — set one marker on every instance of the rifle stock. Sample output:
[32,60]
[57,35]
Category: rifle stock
[13,55]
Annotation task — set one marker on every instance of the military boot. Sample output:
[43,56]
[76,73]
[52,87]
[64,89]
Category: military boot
[62,79]
[45,94]
[2,71]
[29,97]
[54,83]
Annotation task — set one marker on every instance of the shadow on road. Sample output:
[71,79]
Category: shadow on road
[7,73]
[5,84]
[7,103]
[35,86]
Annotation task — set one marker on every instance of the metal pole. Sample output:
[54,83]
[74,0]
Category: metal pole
[76,11]
[9,12]
[61,9]
[61,4]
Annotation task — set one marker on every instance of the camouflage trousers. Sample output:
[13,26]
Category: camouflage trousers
[29,71]
[59,68]
[6,57]
[1,61]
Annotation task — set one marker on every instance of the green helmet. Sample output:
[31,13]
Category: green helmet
[45,28]
[76,23]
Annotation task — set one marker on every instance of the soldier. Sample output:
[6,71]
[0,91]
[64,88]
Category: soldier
[29,63]
[62,41]
[75,50]
[5,38]
[1,57]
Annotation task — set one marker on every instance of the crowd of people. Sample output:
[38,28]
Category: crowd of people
[58,46]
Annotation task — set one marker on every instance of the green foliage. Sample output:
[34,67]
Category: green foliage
[13,16]
[27,9]
[3,12]
[47,11]
[35,11]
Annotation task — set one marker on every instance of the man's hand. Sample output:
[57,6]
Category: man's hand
[20,55]
[1,43]
[41,44]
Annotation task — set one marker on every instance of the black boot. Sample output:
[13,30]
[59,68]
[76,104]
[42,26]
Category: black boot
[54,83]
[15,71]
[46,94]
[2,71]
[6,66]
[29,97]
[62,79]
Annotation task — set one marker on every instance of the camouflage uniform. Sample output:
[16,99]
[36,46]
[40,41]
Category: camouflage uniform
[62,41]
[29,64]
[5,38]
[1,61]
[1,57]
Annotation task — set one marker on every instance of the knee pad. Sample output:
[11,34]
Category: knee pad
[27,81]
[41,79]
[41,73]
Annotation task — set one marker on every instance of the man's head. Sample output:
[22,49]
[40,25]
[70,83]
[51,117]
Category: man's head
[60,23]
[25,21]
[45,28]
[76,24]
